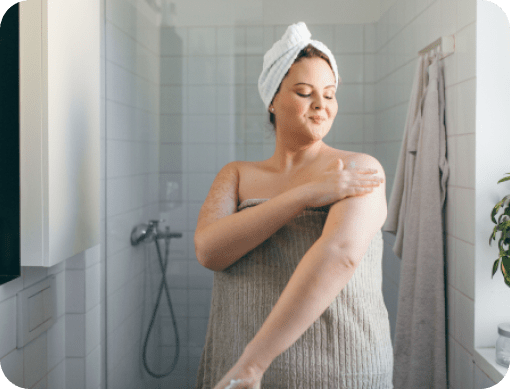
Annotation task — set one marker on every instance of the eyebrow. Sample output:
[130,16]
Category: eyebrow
[310,85]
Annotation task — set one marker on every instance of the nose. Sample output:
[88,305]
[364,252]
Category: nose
[319,102]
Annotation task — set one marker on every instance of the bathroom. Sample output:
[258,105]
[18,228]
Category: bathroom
[179,100]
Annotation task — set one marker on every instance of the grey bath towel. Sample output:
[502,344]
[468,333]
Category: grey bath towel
[347,347]
[415,215]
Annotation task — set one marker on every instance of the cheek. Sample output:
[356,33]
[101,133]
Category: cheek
[295,108]
[333,109]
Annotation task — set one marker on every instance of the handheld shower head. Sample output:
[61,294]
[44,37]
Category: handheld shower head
[145,233]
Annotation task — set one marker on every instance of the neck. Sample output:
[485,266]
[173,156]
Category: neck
[292,155]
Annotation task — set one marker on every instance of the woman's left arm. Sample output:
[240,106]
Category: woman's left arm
[322,273]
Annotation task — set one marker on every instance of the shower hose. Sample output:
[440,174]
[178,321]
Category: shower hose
[162,286]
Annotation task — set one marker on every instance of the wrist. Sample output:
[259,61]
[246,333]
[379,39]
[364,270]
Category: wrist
[255,359]
[302,194]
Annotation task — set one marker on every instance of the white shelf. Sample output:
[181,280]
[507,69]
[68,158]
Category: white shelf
[485,358]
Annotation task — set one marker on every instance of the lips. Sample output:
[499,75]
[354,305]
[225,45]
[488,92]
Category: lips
[317,119]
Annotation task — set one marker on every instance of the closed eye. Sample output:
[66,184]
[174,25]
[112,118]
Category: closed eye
[308,95]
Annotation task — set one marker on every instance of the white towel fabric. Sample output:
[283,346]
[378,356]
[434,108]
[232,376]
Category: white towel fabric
[280,57]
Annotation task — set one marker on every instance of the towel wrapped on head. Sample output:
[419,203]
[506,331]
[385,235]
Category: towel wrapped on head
[280,57]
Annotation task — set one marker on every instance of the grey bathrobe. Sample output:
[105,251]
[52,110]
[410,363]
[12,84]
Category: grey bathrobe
[415,216]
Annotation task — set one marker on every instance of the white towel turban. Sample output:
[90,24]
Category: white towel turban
[280,57]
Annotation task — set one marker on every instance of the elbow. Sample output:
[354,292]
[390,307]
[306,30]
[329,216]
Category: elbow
[209,264]
[347,260]
[199,252]
[350,262]
[344,258]
[203,258]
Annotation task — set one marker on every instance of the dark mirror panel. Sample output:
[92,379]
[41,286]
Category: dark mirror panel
[9,147]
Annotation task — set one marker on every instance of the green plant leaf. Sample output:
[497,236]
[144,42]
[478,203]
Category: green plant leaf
[493,236]
[503,221]
[495,267]
[503,225]
[496,208]
[505,269]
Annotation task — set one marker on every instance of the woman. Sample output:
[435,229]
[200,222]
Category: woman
[296,245]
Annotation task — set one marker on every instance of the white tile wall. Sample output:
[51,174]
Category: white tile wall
[84,320]
[47,361]
[8,325]
[138,91]
[411,25]
[56,377]
[12,366]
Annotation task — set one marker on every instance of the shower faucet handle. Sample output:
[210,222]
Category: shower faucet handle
[156,222]
[154,225]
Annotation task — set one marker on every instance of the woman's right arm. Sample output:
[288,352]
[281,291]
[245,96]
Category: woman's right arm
[224,235]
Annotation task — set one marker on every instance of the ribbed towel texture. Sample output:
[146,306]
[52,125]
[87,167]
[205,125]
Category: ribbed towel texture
[347,347]
[279,58]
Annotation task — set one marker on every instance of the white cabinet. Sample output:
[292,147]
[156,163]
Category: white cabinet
[59,129]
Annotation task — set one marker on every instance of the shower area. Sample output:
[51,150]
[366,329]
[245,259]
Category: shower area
[179,101]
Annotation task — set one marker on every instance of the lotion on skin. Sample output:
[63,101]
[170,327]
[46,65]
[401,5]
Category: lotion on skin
[234,384]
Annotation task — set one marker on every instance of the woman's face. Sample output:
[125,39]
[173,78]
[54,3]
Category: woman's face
[306,104]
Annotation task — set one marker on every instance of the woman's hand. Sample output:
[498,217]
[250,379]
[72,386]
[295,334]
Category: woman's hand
[246,373]
[243,375]
[338,182]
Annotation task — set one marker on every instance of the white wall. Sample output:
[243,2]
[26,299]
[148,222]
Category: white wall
[492,301]
[42,361]
[272,12]
[70,353]
[130,167]
[405,28]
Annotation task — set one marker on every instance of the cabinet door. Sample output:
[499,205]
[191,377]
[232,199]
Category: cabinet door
[59,129]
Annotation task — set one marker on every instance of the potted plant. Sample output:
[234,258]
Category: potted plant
[502,225]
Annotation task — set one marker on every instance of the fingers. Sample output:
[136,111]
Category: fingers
[373,178]
[372,183]
[366,171]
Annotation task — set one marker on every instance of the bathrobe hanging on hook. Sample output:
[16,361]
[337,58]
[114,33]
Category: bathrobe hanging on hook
[415,216]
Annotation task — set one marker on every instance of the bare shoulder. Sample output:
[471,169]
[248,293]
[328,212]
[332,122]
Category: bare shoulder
[225,178]
[352,159]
